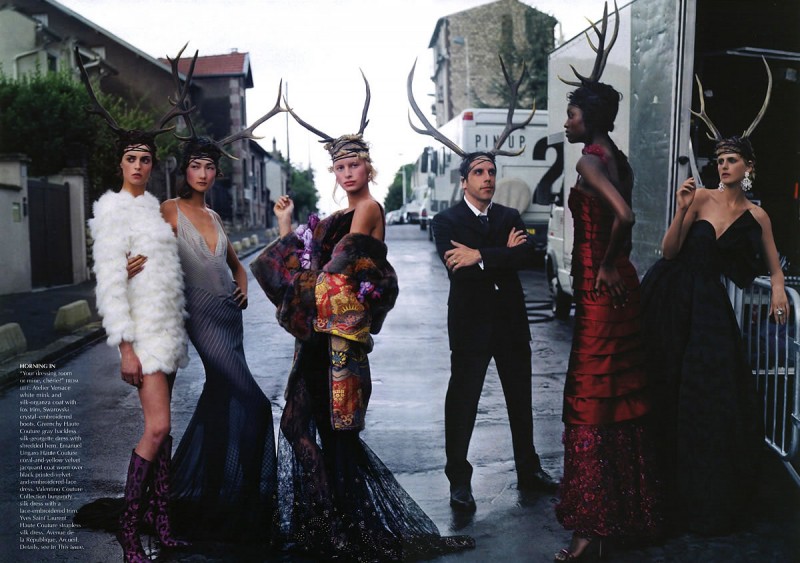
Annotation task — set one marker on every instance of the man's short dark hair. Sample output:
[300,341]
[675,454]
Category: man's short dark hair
[469,158]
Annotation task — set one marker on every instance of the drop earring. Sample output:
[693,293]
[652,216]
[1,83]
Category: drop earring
[721,187]
[747,183]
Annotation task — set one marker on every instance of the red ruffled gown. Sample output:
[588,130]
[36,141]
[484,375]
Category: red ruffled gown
[609,486]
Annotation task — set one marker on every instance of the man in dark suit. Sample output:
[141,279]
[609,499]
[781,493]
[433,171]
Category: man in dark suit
[483,245]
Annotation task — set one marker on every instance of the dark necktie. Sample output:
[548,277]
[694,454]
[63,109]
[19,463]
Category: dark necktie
[484,219]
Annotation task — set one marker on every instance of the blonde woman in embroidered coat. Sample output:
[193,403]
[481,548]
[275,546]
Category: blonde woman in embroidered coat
[144,317]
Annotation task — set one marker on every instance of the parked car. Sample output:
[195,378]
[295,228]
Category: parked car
[393,217]
[410,212]
[425,213]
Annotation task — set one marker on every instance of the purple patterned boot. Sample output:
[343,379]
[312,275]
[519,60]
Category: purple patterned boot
[129,520]
[160,495]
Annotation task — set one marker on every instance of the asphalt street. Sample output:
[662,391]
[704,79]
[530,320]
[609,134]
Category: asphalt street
[405,428]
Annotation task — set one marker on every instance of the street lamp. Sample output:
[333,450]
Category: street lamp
[462,40]
[403,172]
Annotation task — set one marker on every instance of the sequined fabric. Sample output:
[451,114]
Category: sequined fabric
[609,486]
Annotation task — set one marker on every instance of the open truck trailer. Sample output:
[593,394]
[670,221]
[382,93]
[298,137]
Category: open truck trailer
[661,45]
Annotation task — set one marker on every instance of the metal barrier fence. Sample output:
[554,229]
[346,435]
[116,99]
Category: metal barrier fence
[774,354]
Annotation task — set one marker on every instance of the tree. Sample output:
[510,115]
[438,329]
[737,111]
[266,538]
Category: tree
[44,117]
[533,54]
[394,196]
[304,193]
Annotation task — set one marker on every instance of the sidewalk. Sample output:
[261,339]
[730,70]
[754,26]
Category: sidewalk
[35,312]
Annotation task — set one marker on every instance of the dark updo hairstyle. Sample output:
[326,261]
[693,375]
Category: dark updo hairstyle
[133,138]
[194,149]
[738,145]
[469,158]
[599,103]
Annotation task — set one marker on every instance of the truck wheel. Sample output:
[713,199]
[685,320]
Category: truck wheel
[561,302]
[422,225]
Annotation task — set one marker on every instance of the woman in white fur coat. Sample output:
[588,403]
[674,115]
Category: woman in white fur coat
[144,317]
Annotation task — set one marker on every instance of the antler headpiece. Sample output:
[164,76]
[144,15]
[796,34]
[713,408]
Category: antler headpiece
[738,144]
[132,137]
[601,49]
[431,131]
[205,147]
[346,145]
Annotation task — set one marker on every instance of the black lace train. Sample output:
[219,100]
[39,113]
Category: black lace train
[336,497]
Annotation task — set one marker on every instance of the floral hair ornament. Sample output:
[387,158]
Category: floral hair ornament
[431,131]
[346,145]
[130,139]
[204,147]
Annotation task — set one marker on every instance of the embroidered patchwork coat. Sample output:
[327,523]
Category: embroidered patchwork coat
[345,295]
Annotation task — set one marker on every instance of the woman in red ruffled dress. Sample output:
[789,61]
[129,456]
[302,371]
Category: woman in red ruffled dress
[609,489]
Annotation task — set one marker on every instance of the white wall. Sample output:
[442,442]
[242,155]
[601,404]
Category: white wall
[15,253]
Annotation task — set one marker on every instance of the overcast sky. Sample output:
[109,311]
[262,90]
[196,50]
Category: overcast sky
[317,47]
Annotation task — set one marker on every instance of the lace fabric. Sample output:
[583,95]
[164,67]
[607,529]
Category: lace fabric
[336,497]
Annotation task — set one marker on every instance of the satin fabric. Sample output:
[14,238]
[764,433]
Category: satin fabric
[606,377]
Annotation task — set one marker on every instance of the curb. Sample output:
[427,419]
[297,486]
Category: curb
[66,346]
[52,354]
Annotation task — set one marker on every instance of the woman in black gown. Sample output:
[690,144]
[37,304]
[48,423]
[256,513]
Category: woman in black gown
[704,391]
[333,286]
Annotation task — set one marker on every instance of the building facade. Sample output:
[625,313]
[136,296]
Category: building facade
[466,46]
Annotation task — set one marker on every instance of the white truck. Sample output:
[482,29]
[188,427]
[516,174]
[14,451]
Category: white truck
[661,45]
[476,129]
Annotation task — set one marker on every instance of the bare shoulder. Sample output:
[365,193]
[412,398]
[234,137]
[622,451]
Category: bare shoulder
[169,211]
[702,197]
[169,208]
[368,208]
[759,215]
[589,161]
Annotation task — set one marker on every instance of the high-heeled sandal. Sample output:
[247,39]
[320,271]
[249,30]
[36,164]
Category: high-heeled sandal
[591,553]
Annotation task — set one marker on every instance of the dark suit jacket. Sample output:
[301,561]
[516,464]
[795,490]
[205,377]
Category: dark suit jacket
[484,303]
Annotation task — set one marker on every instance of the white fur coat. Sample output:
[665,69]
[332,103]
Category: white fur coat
[148,310]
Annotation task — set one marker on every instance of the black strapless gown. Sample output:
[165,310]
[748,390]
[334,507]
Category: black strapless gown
[703,388]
